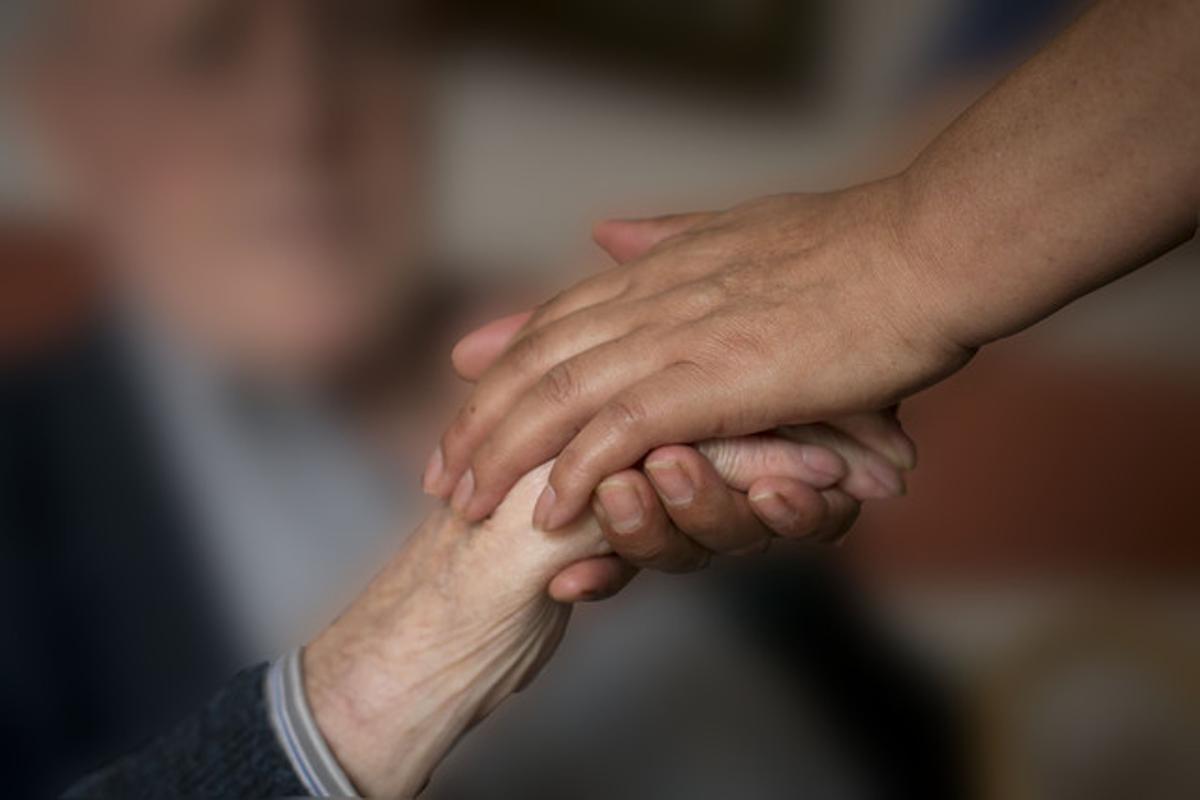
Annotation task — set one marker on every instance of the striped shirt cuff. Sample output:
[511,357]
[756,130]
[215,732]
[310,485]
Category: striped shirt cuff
[297,731]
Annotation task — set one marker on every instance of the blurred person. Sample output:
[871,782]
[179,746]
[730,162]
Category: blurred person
[1077,169]
[212,468]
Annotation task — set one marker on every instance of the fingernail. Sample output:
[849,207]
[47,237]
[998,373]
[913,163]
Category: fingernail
[675,484]
[775,509]
[434,470]
[622,506]
[544,508]
[887,477]
[824,462]
[463,492]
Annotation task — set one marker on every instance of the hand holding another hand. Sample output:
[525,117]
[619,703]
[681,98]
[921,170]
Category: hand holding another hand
[456,621]
[467,613]
[786,311]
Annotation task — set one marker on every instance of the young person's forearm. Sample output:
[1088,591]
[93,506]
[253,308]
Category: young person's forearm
[1081,166]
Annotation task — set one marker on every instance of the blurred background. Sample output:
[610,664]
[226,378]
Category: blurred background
[1023,625]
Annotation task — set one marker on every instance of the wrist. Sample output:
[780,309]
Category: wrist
[937,291]
[425,653]
[385,732]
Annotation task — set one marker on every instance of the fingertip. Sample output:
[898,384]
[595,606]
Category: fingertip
[474,353]
[790,508]
[625,498]
[879,479]
[465,358]
[544,508]
[610,235]
[601,229]
[482,503]
[826,466]
[842,512]
[559,504]
[434,472]
[679,475]
[591,580]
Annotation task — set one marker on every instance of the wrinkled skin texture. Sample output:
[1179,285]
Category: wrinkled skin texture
[466,613]
[455,623]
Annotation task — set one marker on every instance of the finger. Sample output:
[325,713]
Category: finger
[842,512]
[533,364]
[601,288]
[869,476]
[497,444]
[626,240]
[742,460]
[591,580]
[790,508]
[638,529]
[681,403]
[882,433]
[701,504]
[476,351]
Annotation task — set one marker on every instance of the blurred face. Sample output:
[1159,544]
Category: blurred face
[248,165]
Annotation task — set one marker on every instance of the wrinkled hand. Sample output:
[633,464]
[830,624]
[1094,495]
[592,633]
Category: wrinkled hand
[786,311]
[454,624]
[461,617]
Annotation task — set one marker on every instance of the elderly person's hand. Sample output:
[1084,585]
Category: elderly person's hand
[466,613]
[456,622]
[734,496]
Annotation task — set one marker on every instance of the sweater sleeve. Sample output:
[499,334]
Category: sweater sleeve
[228,749]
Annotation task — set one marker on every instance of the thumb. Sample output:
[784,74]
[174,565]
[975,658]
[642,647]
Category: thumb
[476,351]
[630,239]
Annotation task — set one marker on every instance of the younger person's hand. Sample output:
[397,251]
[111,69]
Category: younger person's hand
[723,496]
[734,496]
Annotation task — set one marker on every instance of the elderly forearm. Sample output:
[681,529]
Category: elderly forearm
[1081,166]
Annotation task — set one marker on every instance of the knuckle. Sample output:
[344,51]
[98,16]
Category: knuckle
[714,291]
[740,341]
[560,385]
[528,354]
[698,298]
[694,369]
[547,309]
[626,412]
[625,283]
